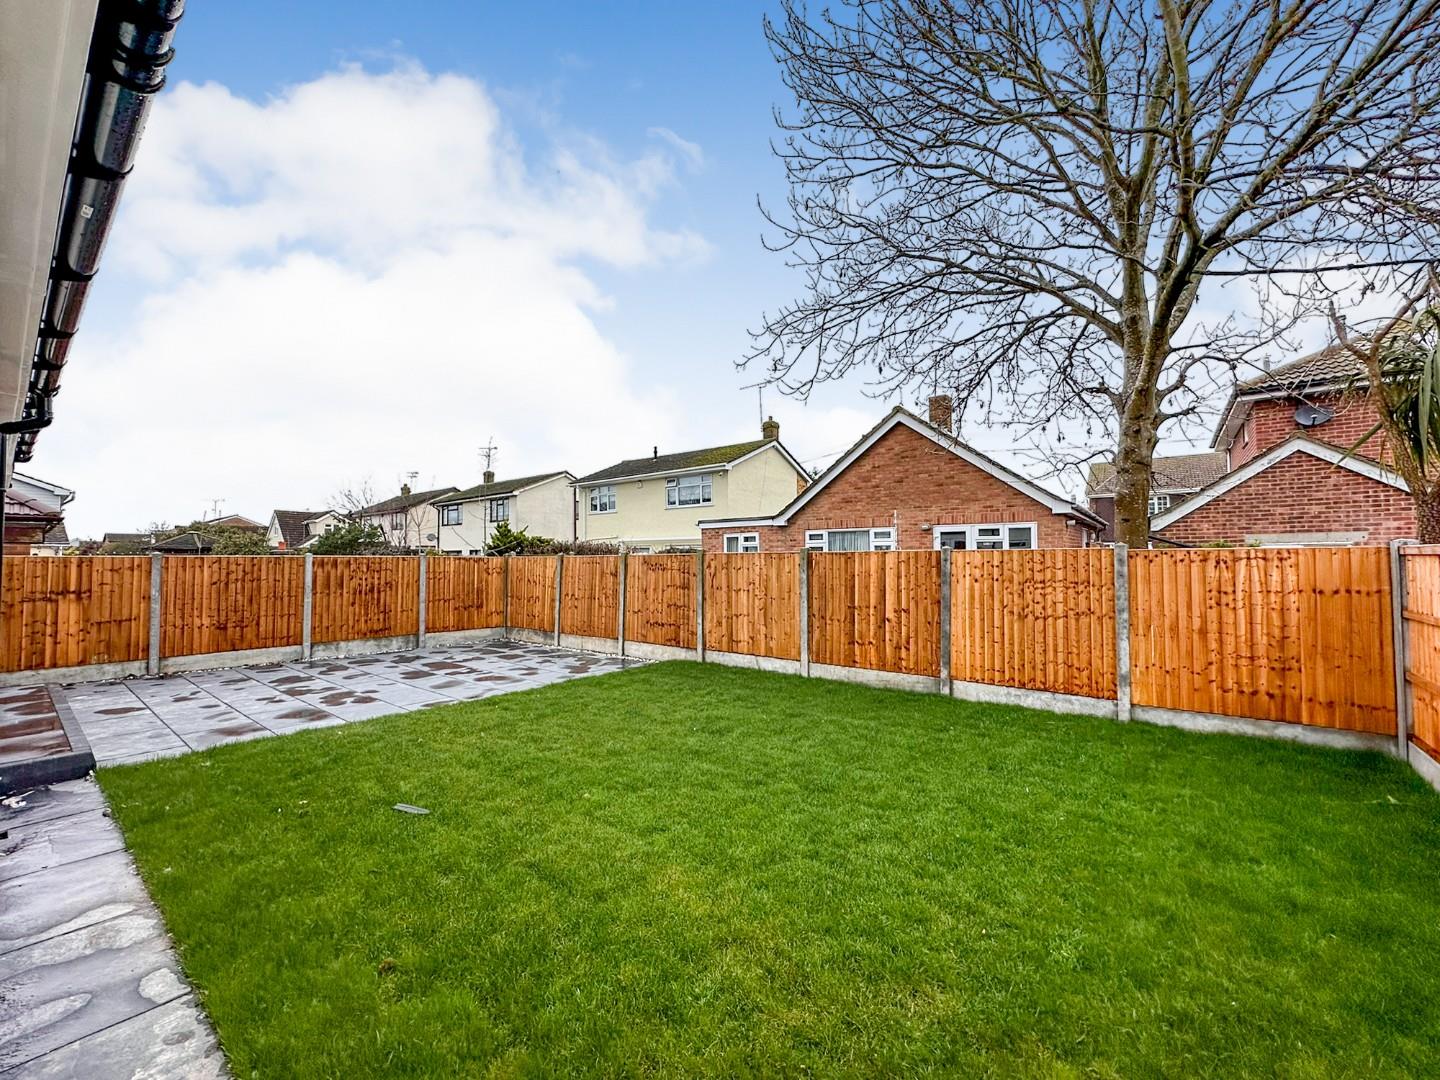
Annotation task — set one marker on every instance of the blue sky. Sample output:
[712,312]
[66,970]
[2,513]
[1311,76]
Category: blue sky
[665,112]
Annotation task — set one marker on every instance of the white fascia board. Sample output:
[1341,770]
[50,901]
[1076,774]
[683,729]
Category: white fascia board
[1255,466]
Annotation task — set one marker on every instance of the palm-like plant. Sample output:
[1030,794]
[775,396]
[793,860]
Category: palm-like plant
[1402,371]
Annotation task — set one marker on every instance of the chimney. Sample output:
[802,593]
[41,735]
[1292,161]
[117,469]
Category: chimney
[404,491]
[489,476]
[770,429]
[941,411]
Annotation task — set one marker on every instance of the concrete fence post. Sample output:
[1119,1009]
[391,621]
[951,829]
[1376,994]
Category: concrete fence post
[946,621]
[307,612]
[152,661]
[804,613]
[559,592]
[700,606]
[420,618]
[1122,633]
[1400,635]
[624,558]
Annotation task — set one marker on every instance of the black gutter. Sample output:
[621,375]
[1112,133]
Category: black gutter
[126,69]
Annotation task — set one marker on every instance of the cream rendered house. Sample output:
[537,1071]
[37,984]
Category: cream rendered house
[541,505]
[649,504]
[407,521]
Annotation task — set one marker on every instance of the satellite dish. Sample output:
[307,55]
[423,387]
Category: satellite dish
[1309,416]
[430,537]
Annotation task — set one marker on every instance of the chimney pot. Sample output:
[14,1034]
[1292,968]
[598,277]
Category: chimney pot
[942,411]
[404,491]
[489,477]
[770,429]
[655,452]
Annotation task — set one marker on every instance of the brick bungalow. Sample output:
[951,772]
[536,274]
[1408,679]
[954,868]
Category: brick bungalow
[1297,471]
[911,484]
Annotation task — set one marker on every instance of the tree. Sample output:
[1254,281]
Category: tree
[1401,364]
[240,542]
[1044,202]
[351,539]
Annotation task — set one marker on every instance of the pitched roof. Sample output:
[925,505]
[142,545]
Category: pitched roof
[404,502]
[236,521]
[23,508]
[899,415]
[292,525]
[685,459]
[186,542]
[499,487]
[1178,472]
[57,535]
[125,538]
[1333,366]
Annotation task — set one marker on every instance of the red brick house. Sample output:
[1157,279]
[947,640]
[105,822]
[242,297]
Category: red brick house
[1294,472]
[909,484]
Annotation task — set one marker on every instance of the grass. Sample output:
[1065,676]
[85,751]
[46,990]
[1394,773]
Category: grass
[688,870]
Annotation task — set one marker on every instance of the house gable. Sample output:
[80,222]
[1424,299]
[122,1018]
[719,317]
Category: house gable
[1300,488]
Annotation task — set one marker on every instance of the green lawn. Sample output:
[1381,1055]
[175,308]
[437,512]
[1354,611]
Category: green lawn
[686,870]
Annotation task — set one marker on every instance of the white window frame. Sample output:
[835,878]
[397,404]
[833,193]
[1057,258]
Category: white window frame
[745,543]
[705,482]
[982,531]
[603,499]
[1159,502]
[498,511]
[452,514]
[881,539]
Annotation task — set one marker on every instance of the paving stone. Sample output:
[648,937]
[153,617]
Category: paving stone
[29,848]
[46,803]
[171,1042]
[77,984]
[65,898]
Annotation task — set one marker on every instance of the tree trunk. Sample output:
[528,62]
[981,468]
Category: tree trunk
[1427,515]
[1132,475]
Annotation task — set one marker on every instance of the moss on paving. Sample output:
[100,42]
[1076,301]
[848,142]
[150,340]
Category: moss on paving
[688,870]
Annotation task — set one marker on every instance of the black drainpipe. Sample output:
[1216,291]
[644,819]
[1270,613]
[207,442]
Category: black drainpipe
[128,53]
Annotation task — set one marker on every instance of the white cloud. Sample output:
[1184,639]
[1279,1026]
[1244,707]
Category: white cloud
[363,276]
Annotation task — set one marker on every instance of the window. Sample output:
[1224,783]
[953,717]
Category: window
[1003,537]
[602,499]
[450,515]
[688,490]
[397,521]
[741,543]
[476,551]
[499,509]
[850,540]
[1159,504]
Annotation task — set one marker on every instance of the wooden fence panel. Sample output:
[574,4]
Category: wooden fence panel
[1422,626]
[365,596]
[590,596]
[877,610]
[660,600]
[752,604]
[1298,635]
[463,592]
[224,603]
[1040,620]
[58,612]
[532,592]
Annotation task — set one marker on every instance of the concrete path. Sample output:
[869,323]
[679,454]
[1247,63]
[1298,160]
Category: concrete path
[89,984]
[172,714]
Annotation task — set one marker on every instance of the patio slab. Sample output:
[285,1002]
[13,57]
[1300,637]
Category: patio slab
[164,715]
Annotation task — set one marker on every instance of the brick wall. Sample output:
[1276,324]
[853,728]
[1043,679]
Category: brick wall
[905,481]
[1301,494]
[1272,422]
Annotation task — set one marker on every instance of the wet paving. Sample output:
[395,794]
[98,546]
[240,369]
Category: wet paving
[29,725]
[89,982]
[139,719]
